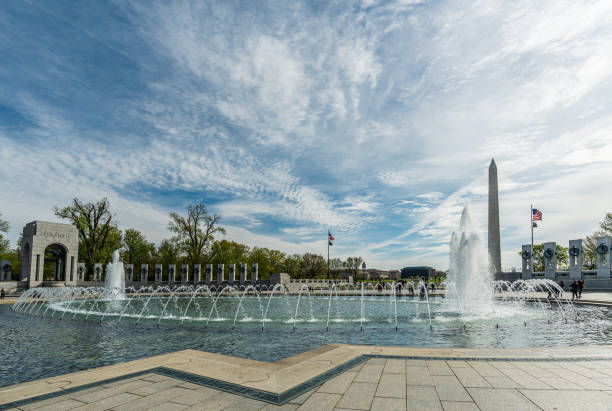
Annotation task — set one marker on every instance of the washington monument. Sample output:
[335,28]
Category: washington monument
[494,235]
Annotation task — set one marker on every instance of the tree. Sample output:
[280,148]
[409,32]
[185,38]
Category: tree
[589,253]
[606,224]
[95,223]
[228,252]
[4,244]
[313,265]
[136,249]
[168,253]
[292,265]
[261,257]
[354,263]
[277,260]
[196,232]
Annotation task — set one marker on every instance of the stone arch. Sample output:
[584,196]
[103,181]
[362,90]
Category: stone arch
[54,266]
[40,237]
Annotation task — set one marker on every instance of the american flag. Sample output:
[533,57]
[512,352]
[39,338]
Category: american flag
[330,238]
[536,215]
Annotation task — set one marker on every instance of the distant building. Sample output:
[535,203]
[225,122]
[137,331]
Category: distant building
[425,272]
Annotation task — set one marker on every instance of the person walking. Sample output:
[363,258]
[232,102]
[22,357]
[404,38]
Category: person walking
[580,287]
[2,294]
[574,287]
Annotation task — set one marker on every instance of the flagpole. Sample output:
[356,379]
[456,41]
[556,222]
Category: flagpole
[531,224]
[328,254]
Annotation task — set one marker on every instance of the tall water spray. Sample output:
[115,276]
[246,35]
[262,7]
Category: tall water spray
[469,281]
[115,279]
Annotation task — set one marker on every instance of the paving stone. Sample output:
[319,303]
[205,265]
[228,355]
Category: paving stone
[320,402]
[416,363]
[227,401]
[189,397]
[422,398]
[418,376]
[526,380]
[500,365]
[502,382]
[370,373]
[459,406]
[485,369]
[357,367]
[377,361]
[569,400]
[101,393]
[449,388]
[152,388]
[359,396]
[578,379]
[302,398]
[190,386]
[121,382]
[470,378]
[67,404]
[44,403]
[560,383]
[168,406]
[395,366]
[392,385]
[338,384]
[534,370]
[587,372]
[438,368]
[108,403]
[457,364]
[607,381]
[154,377]
[152,400]
[500,399]
[284,407]
[388,404]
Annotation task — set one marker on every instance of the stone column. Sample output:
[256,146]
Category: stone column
[196,274]
[184,274]
[171,274]
[208,274]
[98,272]
[575,259]
[527,271]
[81,271]
[493,231]
[603,257]
[158,274]
[129,273]
[243,273]
[144,273]
[550,260]
[254,273]
[220,274]
[231,274]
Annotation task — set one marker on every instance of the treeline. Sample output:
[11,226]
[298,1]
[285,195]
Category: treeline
[193,241]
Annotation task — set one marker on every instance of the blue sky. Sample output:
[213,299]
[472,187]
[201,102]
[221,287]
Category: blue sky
[377,119]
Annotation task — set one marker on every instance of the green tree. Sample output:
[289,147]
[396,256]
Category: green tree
[195,232]
[589,253]
[261,257]
[277,260]
[313,266]
[95,224]
[354,264]
[136,249]
[4,244]
[606,224]
[168,253]
[228,252]
[292,265]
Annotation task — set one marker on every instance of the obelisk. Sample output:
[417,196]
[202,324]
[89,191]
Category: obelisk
[494,233]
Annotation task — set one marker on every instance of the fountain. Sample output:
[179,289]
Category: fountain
[114,284]
[468,281]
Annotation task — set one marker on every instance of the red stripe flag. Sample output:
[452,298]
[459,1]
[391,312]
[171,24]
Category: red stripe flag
[331,237]
[536,215]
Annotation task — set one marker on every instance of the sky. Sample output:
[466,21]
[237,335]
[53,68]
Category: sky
[374,119]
